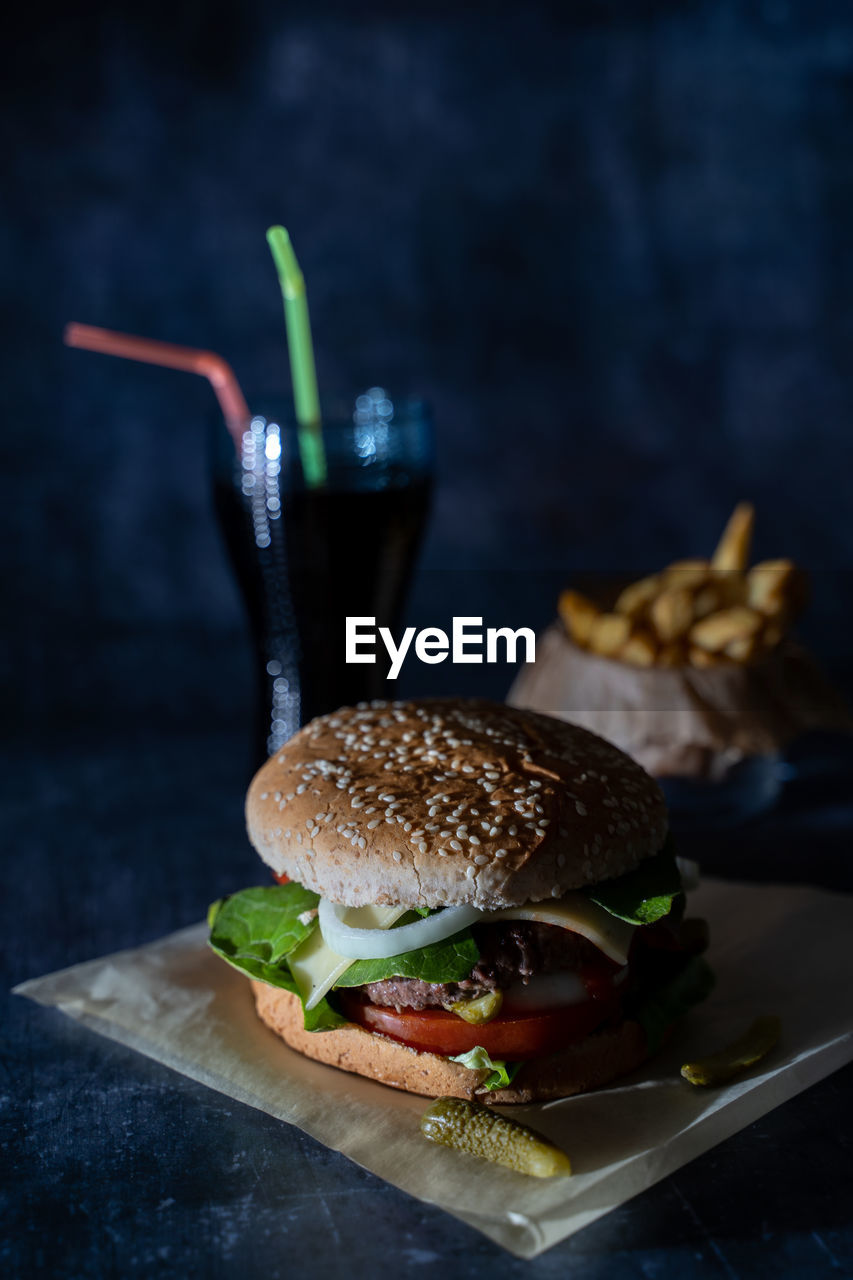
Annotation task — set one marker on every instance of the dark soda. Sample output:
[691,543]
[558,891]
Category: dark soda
[330,554]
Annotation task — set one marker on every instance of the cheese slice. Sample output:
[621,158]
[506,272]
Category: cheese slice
[576,912]
[316,967]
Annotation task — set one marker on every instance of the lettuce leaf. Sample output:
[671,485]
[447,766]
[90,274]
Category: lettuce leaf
[658,1008]
[502,1073]
[643,895]
[256,930]
[447,961]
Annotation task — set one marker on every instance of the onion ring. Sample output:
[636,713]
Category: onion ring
[381,944]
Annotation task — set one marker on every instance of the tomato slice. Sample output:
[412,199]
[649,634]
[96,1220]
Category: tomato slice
[512,1037]
[281,879]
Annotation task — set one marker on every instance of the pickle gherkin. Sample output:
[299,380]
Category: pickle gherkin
[470,1127]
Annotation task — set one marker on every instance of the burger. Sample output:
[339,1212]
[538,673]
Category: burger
[472,900]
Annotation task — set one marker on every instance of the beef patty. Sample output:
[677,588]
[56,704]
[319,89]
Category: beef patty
[509,952]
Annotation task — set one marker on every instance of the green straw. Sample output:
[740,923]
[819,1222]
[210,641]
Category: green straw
[301,352]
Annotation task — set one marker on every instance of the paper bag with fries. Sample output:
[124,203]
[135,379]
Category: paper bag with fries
[691,669]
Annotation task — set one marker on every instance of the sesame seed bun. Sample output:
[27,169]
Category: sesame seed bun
[448,801]
[593,1061]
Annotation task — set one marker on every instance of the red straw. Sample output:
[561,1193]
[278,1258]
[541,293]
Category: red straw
[218,372]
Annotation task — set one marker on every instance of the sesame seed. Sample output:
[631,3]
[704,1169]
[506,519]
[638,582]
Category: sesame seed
[481,859]
[397,855]
[500,853]
[422,847]
[454,844]
[473,840]
[373,824]
[470,872]
[513,831]
[444,834]
[264,795]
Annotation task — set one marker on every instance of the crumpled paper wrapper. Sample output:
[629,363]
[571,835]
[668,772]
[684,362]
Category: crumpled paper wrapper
[176,1002]
[681,721]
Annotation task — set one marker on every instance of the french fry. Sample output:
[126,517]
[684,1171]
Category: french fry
[733,548]
[772,634]
[578,615]
[774,587]
[640,649]
[672,613]
[708,599]
[672,655]
[731,586]
[702,658]
[609,633]
[719,629]
[635,599]
[695,612]
[743,648]
[687,573]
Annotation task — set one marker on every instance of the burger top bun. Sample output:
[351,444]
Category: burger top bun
[447,801]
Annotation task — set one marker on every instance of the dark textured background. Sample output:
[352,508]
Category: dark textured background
[611,242]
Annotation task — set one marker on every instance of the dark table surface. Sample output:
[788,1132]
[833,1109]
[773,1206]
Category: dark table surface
[118,1167]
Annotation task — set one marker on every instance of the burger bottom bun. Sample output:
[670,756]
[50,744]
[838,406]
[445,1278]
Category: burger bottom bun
[593,1061]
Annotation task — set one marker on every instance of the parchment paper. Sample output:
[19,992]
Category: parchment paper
[176,1002]
[681,721]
